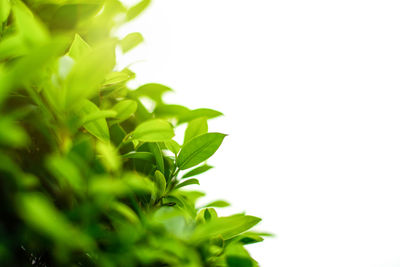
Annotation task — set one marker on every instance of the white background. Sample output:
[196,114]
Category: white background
[310,93]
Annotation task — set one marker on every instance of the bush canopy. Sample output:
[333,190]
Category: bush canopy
[89,174]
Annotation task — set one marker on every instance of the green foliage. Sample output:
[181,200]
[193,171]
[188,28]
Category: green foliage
[86,172]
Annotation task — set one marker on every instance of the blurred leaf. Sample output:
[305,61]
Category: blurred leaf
[125,109]
[131,41]
[197,171]
[11,134]
[172,146]
[197,113]
[195,128]
[117,77]
[97,127]
[199,149]
[160,183]
[109,156]
[66,172]
[154,91]
[170,111]
[139,155]
[125,211]
[82,82]
[134,11]
[5,8]
[31,29]
[187,182]
[78,48]
[218,204]
[156,130]
[39,213]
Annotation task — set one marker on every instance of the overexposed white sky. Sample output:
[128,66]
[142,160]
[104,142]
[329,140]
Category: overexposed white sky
[311,96]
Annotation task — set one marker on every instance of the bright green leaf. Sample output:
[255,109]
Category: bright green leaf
[199,149]
[155,130]
[197,113]
[197,171]
[78,48]
[218,204]
[134,11]
[125,109]
[131,41]
[187,182]
[195,128]
[156,151]
[98,127]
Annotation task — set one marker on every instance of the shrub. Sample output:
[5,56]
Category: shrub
[89,176]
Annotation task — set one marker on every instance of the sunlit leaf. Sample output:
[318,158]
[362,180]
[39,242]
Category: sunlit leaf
[152,131]
[195,128]
[134,11]
[199,149]
[125,109]
[97,127]
[218,204]
[197,171]
[130,41]
[187,182]
[197,113]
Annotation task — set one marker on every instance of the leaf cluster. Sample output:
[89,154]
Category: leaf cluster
[90,176]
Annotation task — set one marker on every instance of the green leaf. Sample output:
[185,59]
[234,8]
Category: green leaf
[66,172]
[187,182]
[170,111]
[39,213]
[5,8]
[98,127]
[156,151]
[109,156]
[118,77]
[131,41]
[195,128]
[154,91]
[138,155]
[134,11]
[125,211]
[83,82]
[78,48]
[31,29]
[199,149]
[155,130]
[125,109]
[11,134]
[160,184]
[227,227]
[197,113]
[172,146]
[218,204]
[197,171]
